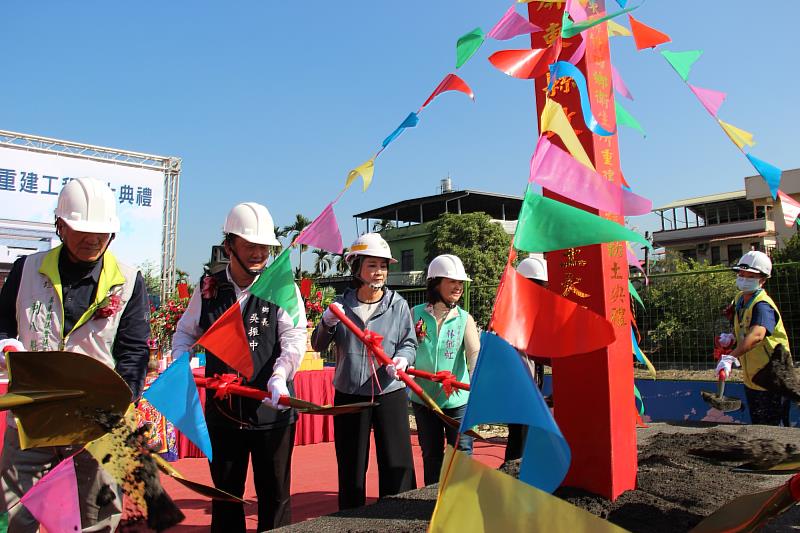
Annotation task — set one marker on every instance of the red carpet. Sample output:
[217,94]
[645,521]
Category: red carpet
[314,483]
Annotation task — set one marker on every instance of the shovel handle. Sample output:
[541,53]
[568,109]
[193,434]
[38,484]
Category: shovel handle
[433,377]
[721,383]
[241,390]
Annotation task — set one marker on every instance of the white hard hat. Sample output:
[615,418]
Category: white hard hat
[88,205]
[533,268]
[253,223]
[754,261]
[447,266]
[370,244]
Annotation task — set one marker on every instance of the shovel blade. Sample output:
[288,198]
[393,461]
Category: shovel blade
[725,404]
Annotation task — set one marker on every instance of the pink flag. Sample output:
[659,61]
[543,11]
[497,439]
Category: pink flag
[790,207]
[576,11]
[511,25]
[577,55]
[711,100]
[634,261]
[556,170]
[323,232]
[53,501]
[451,82]
[619,85]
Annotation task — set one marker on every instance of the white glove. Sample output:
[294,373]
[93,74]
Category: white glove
[277,388]
[9,345]
[329,318]
[726,362]
[398,363]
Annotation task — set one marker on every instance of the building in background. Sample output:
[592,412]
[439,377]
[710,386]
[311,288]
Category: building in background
[719,228]
[406,225]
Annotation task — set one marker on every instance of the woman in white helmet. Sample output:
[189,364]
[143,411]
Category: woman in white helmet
[358,378]
[535,269]
[448,341]
[244,430]
[759,332]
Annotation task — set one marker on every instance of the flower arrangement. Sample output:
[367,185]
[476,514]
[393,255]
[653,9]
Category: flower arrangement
[164,320]
[316,303]
[421,330]
[110,306]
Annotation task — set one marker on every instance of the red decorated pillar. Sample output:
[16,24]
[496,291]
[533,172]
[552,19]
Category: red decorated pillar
[592,393]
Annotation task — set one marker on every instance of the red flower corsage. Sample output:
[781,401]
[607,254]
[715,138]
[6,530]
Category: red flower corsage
[421,329]
[109,306]
[208,288]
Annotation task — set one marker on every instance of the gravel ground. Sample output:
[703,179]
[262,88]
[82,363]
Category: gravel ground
[676,488]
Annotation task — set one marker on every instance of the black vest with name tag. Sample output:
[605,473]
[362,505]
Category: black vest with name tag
[261,326]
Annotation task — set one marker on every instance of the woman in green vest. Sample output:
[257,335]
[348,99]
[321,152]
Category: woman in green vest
[758,328]
[448,341]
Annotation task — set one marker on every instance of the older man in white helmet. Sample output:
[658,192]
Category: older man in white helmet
[76,297]
[241,428]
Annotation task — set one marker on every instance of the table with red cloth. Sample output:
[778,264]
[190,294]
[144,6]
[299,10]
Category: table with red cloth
[311,385]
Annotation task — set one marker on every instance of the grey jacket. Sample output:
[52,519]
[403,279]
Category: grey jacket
[392,320]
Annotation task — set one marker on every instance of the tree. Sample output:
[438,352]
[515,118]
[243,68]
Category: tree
[342,267]
[293,230]
[482,245]
[382,225]
[323,262]
[152,278]
[790,252]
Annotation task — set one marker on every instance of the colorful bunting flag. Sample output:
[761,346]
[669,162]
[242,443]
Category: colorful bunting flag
[276,285]
[409,122]
[579,52]
[571,29]
[227,339]
[543,323]
[511,25]
[682,61]
[635,294]
[554,169]
[626,119]
[640,356]
[524,64]
[638,398]
[710,99]
[634,261]
[646,37]
[619,84]
[467,45]
[545,225]
[739,137]
[575,10]
[474,497]
[615,29]
[770,173]
[54,501]
[174,395]
[622,3]
[555,120]
[790,208]
[323,232]
[546,456]
[365,170]
[451,82]
[561,69]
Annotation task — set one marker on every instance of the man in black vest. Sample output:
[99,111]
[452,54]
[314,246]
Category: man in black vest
[241,428]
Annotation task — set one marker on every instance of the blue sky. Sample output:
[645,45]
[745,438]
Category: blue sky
[274,102]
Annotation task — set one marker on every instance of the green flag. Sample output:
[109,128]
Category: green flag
[638,396]
[626,119]
[276,285]
[632,290]
[571,29]
[468,44]
[682,61]
[545,225]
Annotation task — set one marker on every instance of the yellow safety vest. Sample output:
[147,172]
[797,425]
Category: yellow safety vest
[759,356]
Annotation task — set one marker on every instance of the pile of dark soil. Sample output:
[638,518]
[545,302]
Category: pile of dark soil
[685,473]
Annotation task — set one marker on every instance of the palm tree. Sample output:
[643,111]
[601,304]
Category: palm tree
[382,225]
[342,268]
[294,229]
[323,263]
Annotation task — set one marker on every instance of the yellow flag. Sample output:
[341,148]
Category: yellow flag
[365,170]
[737,135]
[476,498]
[617,29]
[554,119]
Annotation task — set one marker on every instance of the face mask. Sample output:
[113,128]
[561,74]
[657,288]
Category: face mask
[748,284]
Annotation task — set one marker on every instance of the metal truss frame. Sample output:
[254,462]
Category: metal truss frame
[169,166]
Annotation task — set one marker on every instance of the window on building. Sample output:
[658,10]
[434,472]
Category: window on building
[715,255]
[689,254]
[734,253]
[407,260]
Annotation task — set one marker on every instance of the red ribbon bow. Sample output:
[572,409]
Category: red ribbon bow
[220,382]
[446,378]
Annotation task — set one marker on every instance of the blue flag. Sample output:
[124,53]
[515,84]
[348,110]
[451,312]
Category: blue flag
[410,121]
[175,396]
[770,173]
[502,390]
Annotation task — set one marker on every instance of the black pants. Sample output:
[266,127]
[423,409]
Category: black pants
[767,407]
[389,419]
[271,452]
[433,432]
[516,441]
